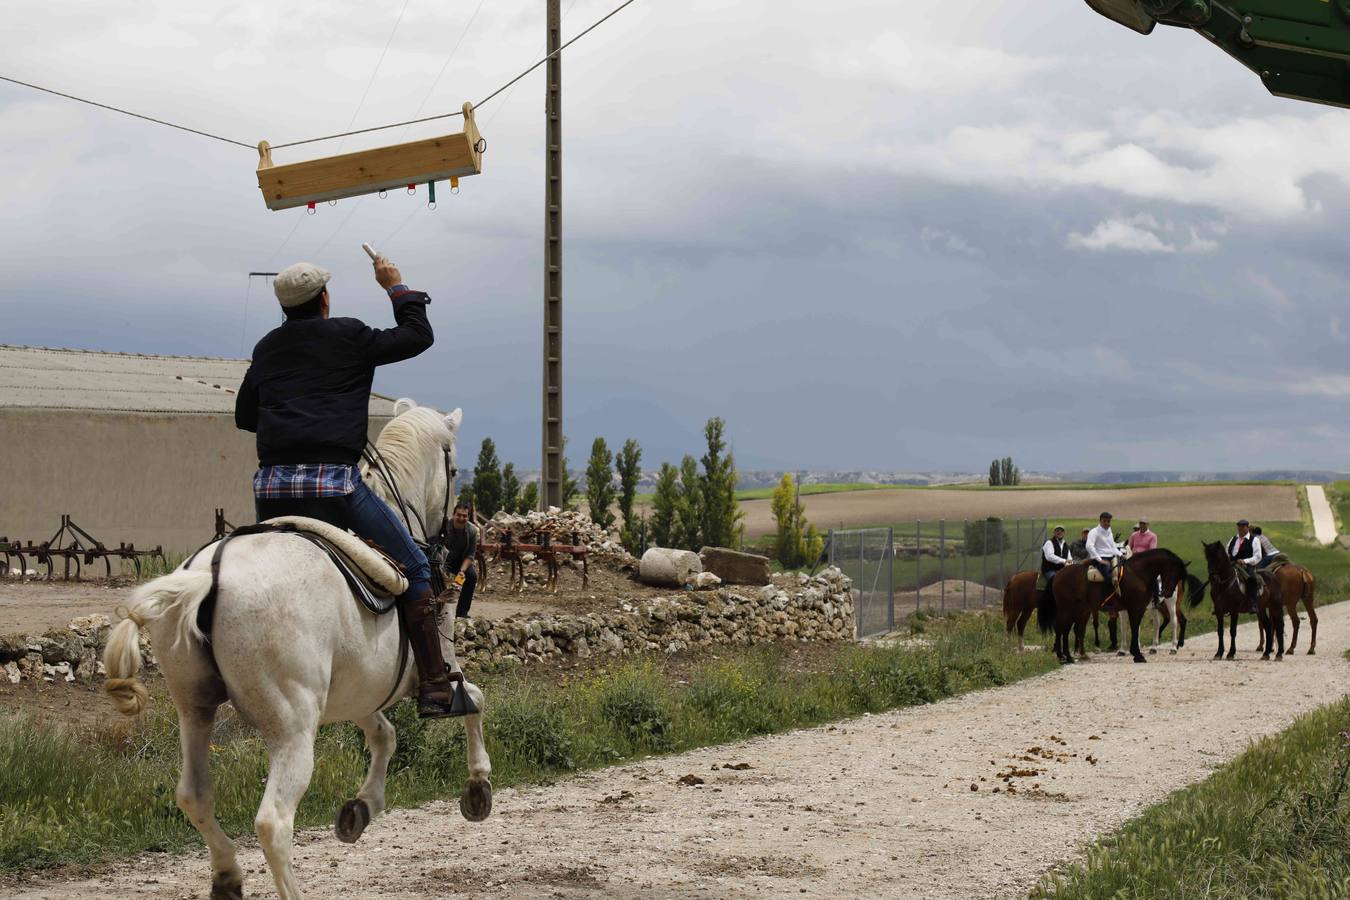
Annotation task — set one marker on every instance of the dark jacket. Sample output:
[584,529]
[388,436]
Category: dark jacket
[307,391]
[1078,550]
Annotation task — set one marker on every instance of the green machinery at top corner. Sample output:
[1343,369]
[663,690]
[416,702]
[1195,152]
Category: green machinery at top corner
[1299,48]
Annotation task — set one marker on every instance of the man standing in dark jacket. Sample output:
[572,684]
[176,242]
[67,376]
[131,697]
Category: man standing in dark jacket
[306,394]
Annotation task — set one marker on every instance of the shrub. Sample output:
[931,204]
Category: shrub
[986,536]
[631,702]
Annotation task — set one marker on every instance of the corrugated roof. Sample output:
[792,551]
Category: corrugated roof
[52,378]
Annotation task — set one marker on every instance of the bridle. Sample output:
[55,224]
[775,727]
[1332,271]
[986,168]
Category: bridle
[436,546]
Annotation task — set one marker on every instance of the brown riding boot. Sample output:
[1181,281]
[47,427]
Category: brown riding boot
[440,692]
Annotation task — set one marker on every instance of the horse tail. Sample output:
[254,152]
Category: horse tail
[178,593]
[1009,614]
[1196,589]
[1045,611]
[1309,588]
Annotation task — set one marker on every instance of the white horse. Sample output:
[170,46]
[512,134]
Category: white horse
[1176,617]
[291,649]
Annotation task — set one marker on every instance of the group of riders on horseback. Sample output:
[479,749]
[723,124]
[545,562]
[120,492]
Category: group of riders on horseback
[1249,549]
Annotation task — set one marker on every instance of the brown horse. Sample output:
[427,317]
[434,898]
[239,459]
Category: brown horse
[1291,584]
[1230,599]
[1074,597]
[1019,602]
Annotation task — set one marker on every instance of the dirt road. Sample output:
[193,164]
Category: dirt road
[1217,503]
[899,805]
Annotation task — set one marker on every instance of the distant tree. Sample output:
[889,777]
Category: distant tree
[510,489]
[995,474]
[1006,474]
[465,494]
[663,505]
[721,514]
[986,536]
[629,466]
[487,480]
[600,484]
[688,530]
[529,498]
[796,541]
[569,484]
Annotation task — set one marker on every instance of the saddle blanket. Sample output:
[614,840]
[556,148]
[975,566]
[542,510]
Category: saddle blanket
[380,574]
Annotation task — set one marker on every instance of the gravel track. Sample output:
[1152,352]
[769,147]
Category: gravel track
[901,804]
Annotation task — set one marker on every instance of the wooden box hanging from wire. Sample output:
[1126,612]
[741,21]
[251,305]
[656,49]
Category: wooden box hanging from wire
[451,156]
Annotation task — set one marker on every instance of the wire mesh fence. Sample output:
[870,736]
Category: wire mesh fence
[932,566]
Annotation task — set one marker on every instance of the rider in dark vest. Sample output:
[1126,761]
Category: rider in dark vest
[306,394]
[1054,555]
[1246,556]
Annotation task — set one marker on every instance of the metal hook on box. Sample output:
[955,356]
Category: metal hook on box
[454,185]
[332,203]
[383,193]
[309,208]
[412,189]
[431,195]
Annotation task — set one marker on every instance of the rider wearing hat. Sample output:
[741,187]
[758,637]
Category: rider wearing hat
[1245,552]
[306,394]
[1102,549]
[1054,555]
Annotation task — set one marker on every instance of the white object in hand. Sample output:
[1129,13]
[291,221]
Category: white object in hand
[370,251]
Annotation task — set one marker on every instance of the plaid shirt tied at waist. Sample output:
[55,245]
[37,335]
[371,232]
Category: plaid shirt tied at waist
[304,480]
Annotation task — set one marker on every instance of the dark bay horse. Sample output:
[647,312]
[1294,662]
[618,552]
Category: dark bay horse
[1074,597]
[1230,599]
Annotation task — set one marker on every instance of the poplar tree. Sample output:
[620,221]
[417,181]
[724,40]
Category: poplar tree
[600,484]
[663,505]
[487,480]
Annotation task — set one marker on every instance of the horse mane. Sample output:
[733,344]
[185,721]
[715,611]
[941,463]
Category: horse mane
[1158,553]
[403,443]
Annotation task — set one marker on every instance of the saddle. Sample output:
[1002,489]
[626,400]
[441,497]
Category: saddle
[375,579]
[1094,576]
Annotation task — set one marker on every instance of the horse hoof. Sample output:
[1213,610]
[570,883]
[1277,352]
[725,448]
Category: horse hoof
[1171,653]
[1121,653]
[1265,657]
[229,886]
[1310,652]
[1152,650]
[476,801]
[352,820]
[1180,643]
[1141,658]
[1279,657]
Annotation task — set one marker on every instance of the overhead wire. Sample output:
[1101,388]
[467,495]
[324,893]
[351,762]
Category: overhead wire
[329,137]
[445,65]
[378,63]
[126,112]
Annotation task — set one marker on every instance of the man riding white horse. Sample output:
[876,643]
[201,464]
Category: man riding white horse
[306,395]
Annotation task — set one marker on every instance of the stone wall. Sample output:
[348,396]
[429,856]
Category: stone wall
[795,608]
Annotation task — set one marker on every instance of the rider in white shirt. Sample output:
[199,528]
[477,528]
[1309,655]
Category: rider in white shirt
[1101,546]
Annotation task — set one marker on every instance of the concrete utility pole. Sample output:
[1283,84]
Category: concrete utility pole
[551,478]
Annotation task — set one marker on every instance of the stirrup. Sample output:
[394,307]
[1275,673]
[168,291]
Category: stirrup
[461,704]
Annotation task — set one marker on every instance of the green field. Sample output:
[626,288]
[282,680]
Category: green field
[1338,494]
[1275,822]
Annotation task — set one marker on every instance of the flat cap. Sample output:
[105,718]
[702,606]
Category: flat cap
[300,283]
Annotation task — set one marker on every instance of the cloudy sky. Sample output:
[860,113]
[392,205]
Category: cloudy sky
[867,238]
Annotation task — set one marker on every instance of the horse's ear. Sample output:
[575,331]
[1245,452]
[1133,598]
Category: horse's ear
[403,404]
[452,421]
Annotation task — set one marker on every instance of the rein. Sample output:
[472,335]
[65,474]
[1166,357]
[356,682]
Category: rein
[431,545]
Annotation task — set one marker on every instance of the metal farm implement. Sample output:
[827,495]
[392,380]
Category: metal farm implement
[73,546]
[513,552]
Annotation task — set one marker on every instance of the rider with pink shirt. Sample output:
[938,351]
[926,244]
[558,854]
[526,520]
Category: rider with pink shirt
[1143,539]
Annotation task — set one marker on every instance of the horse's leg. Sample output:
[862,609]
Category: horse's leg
[356,814]
[1279,630]
[1079,633]
[1232,635]
[1179,636]
[1312,623]
[1264,624]
[475,803]
[1218,617]
[291,764]
[1096,633]
[197,801]
[1157,630]
[1022,619]
[1136,619]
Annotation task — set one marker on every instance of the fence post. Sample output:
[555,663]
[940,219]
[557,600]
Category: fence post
[965,554]
[888,556]
[1002,547]
[984,565]
[1019,551]
[918,559]
[942,564]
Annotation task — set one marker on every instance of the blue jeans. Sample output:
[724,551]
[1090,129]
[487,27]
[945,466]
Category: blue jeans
[368,516]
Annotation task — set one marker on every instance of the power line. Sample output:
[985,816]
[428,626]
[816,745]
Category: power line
[445,65]
[329,137]
[379,63]
[126,112]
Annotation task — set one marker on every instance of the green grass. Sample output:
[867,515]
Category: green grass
[1338,494]
[1275,822]
[67,799]
[766,493]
